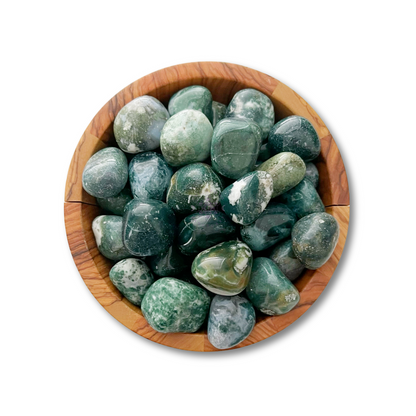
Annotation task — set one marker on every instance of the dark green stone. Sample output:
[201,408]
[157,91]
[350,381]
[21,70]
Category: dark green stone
[171,263]
[115,204]
[218,111]
[264,153]
[286,260]
[312,174]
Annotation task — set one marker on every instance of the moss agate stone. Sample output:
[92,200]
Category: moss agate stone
[171,263]
[132,278]
[149,176]
[286,169]
[148,227]
[194,187]
[247,198]
[314,239]
[235,147]
[286,260]
[273,225]
[105,174]
[230,321]
[269,290]
[312,174]
[264,153]
[225,268]
[115,204]
[297,135]
[138,124]
[186,138]
[171,305]
[218,112]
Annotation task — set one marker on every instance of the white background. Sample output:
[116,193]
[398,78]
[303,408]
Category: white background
[352,353]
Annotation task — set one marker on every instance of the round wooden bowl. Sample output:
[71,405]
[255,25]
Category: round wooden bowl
[223,80]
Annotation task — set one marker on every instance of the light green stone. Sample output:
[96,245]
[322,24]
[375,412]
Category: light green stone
[218,111]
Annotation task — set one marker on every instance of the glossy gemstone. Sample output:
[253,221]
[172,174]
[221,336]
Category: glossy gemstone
[312,174]
[115,204]
[286,260]
[264,153]
[218,111]
[171,263]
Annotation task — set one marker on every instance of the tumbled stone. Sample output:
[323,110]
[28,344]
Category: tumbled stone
[312,174]
[105,174]
[202,230]
[247,198]
[171,263]
[230,321]
[149,176]
[314,239]
[286,169]
[218,112]
[235,146]
[269,290]
[138,124]
[286,260]
[225,268]
[264,153]
[148,227]
[194,187]
[273,225]
[115,204]
[186,138]
[132,278]
[297,135]
[171,305]
[253,105]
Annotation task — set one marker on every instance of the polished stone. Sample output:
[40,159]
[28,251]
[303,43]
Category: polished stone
[286,260]
[264,153]
[171,263]
[312,174]
[115,204]
[218,111]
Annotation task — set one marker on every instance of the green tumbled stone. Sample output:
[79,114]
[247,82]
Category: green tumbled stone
[235,146]
[286,169]
[247,198]
[105,174]
[148,227]
[312,174]
[138,124]
[194,187]
[286,260]
[218,111]
[171,305]
[186,138]
[314,239]
[269,290]
[274,224]
[297,135]
[225,268]
[230,321]
[264,153]
[171,263]
[115,204]
[132,278]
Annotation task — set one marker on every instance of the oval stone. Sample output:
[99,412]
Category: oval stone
[105,174]
[218,112]
[171,305]
[312,174]
[230,321]
[138,124]
[115,204]
[314,239]
[269,290]
[286,260]
[171,263]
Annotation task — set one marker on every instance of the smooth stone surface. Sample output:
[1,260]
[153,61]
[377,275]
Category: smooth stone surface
[286,169]
[195,97]
[186,138]
[171,305]
[105,174]
[225,268]
[235,147]
[218,112]
[115,204]
[247,198]
[269,290]
[194,187]
[171,263]
[108,233]
[274,224]
[230,321]
[253,105]
[138,124]
[149,176]
[132,278]
[314,239]
[312,174]
[202,230]
[264,153]
[148,227]
[286,260]
[297,135]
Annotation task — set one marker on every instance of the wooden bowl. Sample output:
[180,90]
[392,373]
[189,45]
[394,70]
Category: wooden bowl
[223,80]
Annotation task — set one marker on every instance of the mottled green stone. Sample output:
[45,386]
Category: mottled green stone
[138,124]
[274,224]
[314,239]
[218,111]
[115,204]
[171,305]
[225,268]
[297,135]
[269,290]
[132,278]
[105,174]
[186,138]
[312,174]
[286,260]
[230,321]
[171,263]
[235,146]
[264,153]
[286,169]
[194,187]
[247,198]
[148,227]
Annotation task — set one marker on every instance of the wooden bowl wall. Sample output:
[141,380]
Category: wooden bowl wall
[223,80]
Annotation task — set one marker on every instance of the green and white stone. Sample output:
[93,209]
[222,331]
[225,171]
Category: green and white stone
[312,174]
[218,112]
[171,263]
[115,204]
[286,260]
